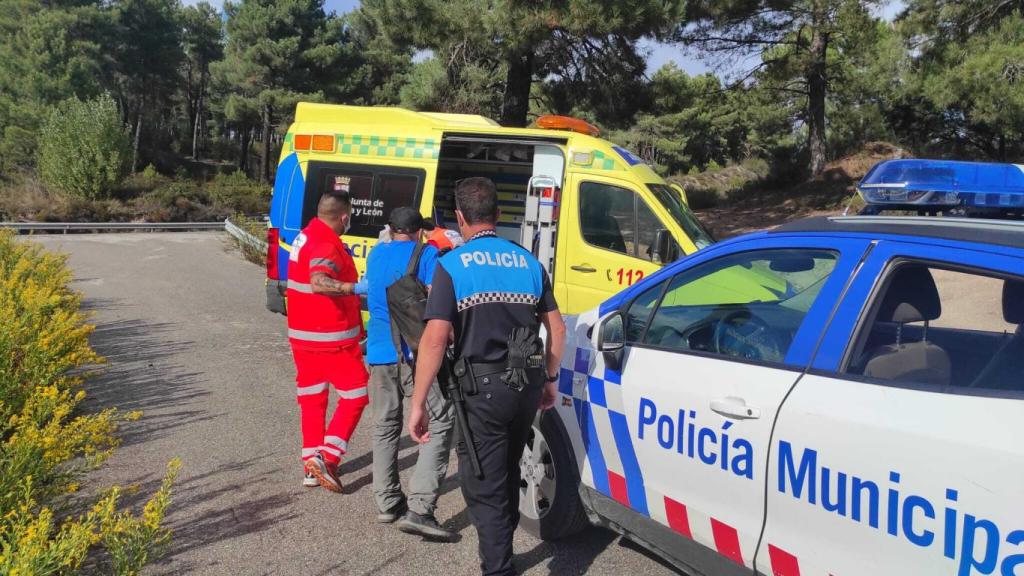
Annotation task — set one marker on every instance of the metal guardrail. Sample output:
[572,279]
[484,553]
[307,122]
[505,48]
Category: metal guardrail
[104,226]
[227,225]
[243,236]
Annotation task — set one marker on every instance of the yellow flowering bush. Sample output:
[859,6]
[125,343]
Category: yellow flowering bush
[47,442]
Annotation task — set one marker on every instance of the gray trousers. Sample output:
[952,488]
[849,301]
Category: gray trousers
[389,384]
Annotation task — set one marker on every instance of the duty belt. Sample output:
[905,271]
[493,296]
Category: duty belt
[469,372]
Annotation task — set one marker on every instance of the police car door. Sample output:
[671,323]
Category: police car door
[711,352]
[885,465]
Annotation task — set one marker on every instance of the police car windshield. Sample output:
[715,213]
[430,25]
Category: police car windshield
[682,214]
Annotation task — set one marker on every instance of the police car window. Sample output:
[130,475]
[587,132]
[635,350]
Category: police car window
[639,312]
[942,327]
[748,305]
[608,217]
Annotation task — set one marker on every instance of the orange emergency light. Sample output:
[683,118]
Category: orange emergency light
[314,142]
[555,122]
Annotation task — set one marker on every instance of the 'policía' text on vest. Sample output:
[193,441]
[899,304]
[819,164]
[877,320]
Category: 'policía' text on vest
[502,259]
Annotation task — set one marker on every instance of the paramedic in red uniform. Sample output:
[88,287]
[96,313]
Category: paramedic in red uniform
[324,329]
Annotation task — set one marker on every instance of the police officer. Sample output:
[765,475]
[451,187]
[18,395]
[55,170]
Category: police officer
[495,295]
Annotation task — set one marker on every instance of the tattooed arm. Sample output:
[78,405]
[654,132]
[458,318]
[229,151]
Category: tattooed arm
[324,284]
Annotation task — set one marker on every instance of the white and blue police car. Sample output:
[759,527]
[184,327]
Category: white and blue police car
[836,396]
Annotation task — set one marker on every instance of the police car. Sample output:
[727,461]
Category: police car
[836,396]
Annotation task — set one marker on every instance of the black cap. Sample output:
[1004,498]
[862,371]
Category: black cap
[405,220]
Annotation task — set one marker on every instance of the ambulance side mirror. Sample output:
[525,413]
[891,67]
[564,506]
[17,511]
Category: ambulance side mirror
[662,252]
[609,334]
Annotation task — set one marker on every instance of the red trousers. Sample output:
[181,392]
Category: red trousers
[343,370]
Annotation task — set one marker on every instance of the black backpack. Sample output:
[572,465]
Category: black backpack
[407,302]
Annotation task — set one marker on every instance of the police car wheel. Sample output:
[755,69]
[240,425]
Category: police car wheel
[549,503]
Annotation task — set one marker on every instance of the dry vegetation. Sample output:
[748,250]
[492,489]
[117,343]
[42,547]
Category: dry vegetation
[754,206]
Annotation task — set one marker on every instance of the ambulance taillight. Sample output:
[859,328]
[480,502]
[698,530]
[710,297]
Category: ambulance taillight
[553,194]
[273,235]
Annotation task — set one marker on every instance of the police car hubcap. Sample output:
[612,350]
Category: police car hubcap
[537,487]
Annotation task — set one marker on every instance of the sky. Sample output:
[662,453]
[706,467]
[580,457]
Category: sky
[660,54]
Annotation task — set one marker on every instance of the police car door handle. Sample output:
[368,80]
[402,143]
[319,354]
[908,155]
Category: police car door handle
[735,408]
[583,268]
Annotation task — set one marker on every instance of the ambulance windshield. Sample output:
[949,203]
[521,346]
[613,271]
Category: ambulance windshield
[683,216]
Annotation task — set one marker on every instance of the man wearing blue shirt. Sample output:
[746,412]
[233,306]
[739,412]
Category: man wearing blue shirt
[391,380]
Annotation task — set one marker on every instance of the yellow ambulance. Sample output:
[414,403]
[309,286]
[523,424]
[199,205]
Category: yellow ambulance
[594,214]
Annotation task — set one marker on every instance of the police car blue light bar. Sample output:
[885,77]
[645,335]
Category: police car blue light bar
[943,184]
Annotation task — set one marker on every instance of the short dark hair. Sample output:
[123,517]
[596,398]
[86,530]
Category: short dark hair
[477,199]
[334,203]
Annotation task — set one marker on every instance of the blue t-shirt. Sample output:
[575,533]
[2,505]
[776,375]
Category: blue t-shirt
[385,265]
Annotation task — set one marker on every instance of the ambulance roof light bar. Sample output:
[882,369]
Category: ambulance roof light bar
[556,122]
[943,184]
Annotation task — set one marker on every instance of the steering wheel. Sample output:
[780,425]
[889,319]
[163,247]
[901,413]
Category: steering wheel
[739,333]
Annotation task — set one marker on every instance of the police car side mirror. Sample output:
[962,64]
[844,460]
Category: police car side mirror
[609,334]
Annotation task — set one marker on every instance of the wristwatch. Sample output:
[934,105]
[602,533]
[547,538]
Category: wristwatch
[551,378]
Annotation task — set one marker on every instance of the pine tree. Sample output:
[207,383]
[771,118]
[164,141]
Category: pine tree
[278,52]
[202,39]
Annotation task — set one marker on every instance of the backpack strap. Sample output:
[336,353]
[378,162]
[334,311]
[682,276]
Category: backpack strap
[414,261]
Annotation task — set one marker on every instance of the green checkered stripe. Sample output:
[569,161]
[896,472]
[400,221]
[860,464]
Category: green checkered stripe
[602,162]
[391,146]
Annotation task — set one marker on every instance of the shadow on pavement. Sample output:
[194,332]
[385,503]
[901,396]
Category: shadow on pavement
[137,378]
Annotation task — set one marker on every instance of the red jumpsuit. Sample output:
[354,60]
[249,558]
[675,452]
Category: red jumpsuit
[324,332]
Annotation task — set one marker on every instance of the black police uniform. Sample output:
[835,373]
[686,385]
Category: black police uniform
[487,288]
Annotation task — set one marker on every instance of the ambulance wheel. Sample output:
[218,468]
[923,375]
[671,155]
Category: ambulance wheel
[549,501]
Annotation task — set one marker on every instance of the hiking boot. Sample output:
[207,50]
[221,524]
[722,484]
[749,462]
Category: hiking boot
[309,481]
[325,473]
[424,525]
[392,515]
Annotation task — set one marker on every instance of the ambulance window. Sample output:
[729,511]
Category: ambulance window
[375,191]
[747,306]
[608,217]
[648,225]
[395,190]
[358,184]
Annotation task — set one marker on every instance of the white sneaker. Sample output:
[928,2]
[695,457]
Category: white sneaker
[325,473]
[310,481]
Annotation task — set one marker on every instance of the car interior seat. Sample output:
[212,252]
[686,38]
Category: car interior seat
[1006,369]
[911,297]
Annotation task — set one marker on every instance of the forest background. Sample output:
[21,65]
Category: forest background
[156,110]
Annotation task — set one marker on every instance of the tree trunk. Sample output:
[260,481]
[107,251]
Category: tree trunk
[265,157]
[516,101]
[135,141]
[195,128]
[243,149]
[817,87]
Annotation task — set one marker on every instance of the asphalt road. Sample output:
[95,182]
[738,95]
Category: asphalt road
[180,319]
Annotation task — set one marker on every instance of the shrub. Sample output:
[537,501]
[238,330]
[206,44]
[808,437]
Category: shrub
[235,193]
[175,202]
[83,147]
[251,251]
[46,441]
